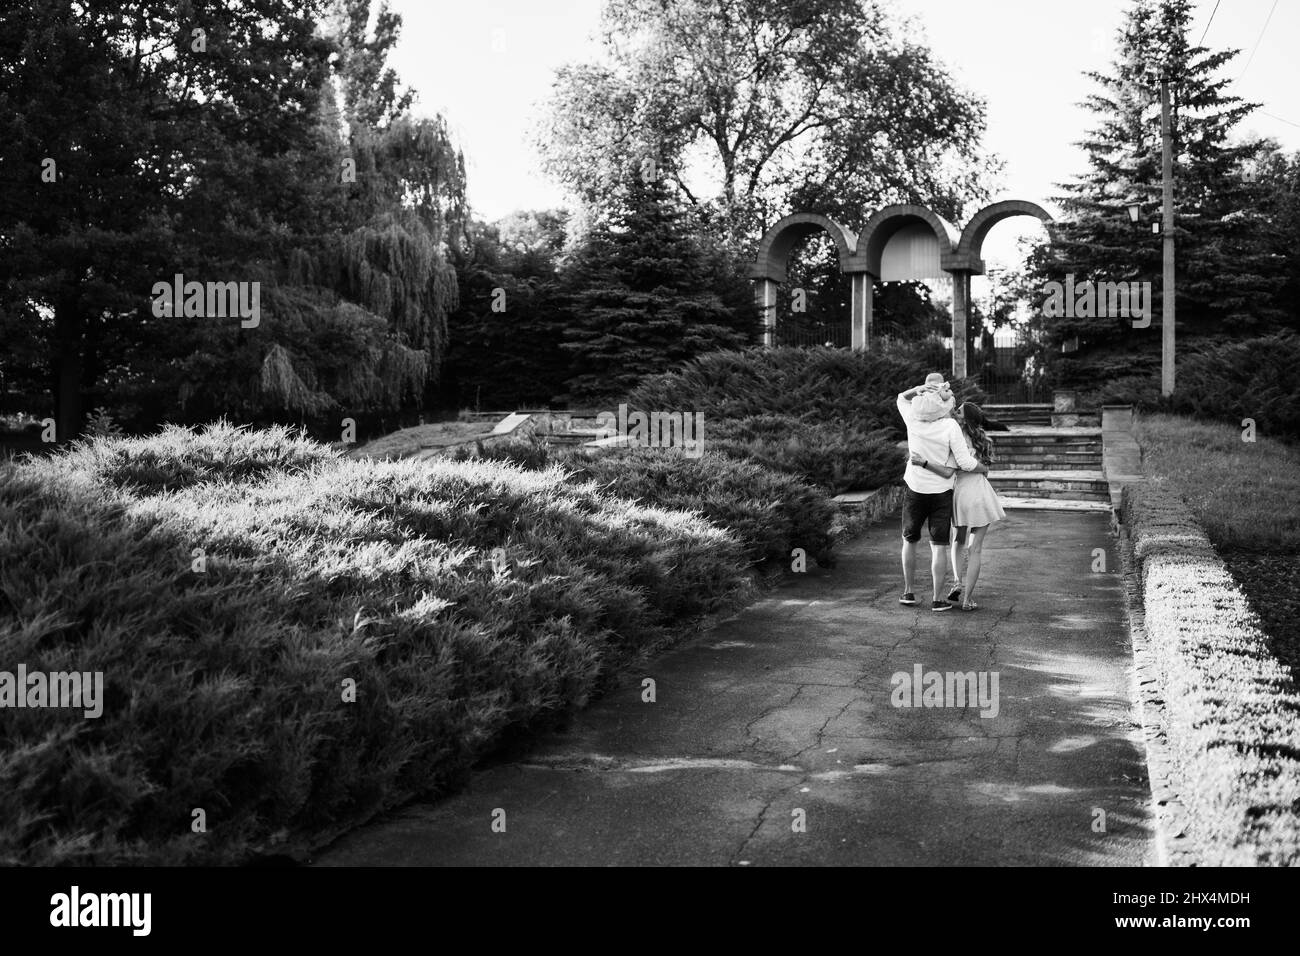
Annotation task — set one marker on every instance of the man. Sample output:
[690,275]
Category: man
[928,497]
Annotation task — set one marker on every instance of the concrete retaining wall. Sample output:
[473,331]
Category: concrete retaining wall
[1231,711]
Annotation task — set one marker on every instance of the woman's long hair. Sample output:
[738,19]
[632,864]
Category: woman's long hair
[972,425]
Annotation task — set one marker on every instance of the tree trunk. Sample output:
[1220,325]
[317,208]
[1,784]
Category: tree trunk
[67,369]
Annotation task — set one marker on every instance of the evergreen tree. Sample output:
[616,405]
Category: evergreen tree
[1227,272]
[504,340]
[1279,176]
[643,294]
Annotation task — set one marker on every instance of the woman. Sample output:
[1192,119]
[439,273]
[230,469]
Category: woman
[975,505]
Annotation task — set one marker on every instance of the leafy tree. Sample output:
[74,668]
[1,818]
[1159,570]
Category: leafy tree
[642,294]
[821,104]
[358,311]
[208,140]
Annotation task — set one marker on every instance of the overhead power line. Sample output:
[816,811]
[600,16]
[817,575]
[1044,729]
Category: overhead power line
[1207,26]
[1261,37]
[1280,119]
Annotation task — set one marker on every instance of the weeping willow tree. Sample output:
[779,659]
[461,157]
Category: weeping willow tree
[358,317]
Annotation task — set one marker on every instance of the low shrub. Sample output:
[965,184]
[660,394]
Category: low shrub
[178,457]
[840,456]
[1217,380]
[825,415]
[293,642]
[1255,378]
[820,385]
[768,511]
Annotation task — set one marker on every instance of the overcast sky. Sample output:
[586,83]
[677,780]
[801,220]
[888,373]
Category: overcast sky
[487,64]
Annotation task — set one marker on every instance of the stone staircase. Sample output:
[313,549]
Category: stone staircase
[1020,414]
[1045,467]
[553,427]
[1037,464]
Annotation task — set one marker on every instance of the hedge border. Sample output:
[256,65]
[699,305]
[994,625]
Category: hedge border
[1225,724]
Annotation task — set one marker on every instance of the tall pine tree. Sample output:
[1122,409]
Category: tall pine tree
[644,293]
[1227,270]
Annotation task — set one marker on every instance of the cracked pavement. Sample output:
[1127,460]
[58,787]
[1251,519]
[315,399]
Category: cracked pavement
[786,707]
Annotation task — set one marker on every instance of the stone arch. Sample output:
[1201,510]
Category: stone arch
[972,237]
[779,241]
[884,223]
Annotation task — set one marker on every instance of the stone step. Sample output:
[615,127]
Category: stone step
[1065,443]
[1058,451]
[1055,494]
[1041,463]
[1079,477]
[1047,432]
[565,438]
[1010,503]
[1012,414]
[1046,483]
[1086,460]
[1049,452]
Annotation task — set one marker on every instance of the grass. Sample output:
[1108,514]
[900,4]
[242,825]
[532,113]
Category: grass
[1244,494]
[232,585]
[1247,498]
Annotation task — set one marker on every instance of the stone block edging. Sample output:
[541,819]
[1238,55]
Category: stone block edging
[1226,773]
[859,510]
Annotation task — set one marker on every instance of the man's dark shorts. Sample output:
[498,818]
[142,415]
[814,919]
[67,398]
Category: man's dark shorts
[918,508]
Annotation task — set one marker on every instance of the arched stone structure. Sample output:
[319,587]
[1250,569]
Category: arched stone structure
[885,223]
[774,256]
[970,249]
[777,243]
[861,258]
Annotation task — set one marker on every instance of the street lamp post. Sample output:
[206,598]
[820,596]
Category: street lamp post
[1168,295]
[1168,298]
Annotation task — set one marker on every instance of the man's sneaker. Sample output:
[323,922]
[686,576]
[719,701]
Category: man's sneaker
[955,594]
[940,606]
[907,598]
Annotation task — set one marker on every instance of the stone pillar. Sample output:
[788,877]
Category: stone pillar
[863,290]
[960,320]
[1065,408]
[1117,419]
[765,299]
